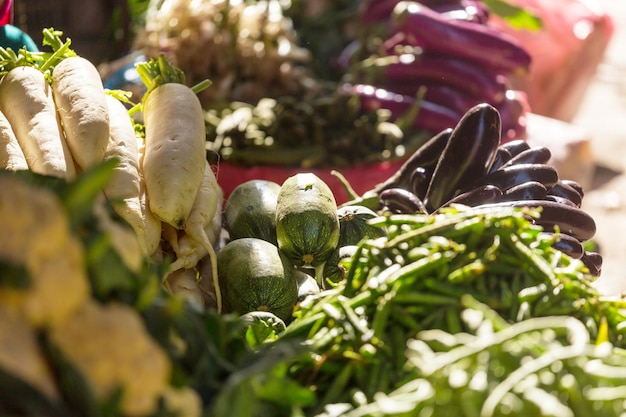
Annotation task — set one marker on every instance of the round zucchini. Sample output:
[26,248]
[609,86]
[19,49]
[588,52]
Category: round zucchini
[307,224]
[250,210]
[334,268]
[353,226]
[258,326]
[255,275]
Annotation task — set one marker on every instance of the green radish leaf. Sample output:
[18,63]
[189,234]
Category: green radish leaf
[517,17]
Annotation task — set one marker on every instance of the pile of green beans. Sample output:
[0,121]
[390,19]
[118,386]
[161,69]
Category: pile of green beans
[414,280]
[543,366]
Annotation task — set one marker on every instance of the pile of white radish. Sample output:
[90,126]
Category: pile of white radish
[56,119]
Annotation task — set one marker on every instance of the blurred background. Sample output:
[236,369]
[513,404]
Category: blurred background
[589,96]
[602,114]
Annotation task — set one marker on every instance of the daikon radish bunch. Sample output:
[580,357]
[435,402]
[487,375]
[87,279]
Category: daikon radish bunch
[181,189]
[31,135]
[80,100]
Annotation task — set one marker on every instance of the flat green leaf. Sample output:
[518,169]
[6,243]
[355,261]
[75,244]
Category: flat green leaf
[517,17]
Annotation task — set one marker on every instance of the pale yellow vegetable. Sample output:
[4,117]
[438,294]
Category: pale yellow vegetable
[35,233]
[81,103]
[26,101]
[183,402]
[11,155]
[112,349]
[21,356]
[175,154]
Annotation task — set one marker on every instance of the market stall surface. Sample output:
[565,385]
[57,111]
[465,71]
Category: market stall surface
[602,114]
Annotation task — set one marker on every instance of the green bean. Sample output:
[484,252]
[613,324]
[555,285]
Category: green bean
[443,288]
[453,322]
[405,319]
[352,317]
[526,369]
[382,313]
[425,298]
[540,264]
[468,272]
[338,386]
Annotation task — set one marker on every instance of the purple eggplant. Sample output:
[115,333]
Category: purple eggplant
[593,262]
[402,201]
[491,48]
[514,147]
[377,11]
[502,156]
[430,117]
[570,220]
[466,10]
[468,155]
[529,190]
[575,185]
[562,190]
[443,94]
[514,175]
[415,70]
[568,245]
[480,195]
[534,155]
[424,158]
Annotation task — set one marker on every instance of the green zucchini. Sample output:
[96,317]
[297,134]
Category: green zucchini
[334,268]
[353,226]
[307,224]
[250,210]
[254,275]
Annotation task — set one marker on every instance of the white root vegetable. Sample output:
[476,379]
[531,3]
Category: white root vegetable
[124,239]
[175,155]
[153,225]
[184,282]
[81,102]
[194,244]
[124,188]
[190,245]
[26,101]
[11,155]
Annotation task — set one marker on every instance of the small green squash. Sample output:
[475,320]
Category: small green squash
[353,226]
[259,326]
[307,225]
[255,275]
[250,210]
[334,268]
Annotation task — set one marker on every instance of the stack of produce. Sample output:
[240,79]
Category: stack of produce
[59,121]
[313,84]
[444,54]
[123,292]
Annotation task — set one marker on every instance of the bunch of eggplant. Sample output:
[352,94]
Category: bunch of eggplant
[469,165]
[443,54]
